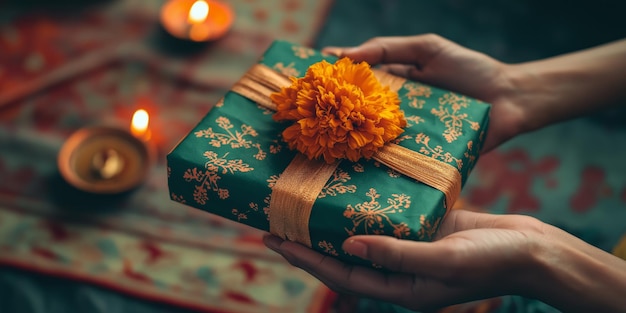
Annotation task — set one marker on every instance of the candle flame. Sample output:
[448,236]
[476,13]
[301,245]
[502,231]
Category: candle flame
[139,123]
[198,12]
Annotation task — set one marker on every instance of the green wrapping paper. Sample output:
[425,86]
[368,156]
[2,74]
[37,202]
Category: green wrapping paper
[229,162]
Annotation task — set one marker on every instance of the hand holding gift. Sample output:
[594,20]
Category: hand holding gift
[473,255]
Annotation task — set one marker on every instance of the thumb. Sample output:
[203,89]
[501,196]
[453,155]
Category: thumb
[424,258]
[365,52]
[369,54]
[412,50]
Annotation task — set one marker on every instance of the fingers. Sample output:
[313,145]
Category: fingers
[408,290]
[413,50]
[439,259]
[403,70]
[429,259]
[460,220]
[330,271]
[339,276]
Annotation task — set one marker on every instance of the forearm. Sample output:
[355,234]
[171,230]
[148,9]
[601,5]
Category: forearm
[577,277]
[571,85]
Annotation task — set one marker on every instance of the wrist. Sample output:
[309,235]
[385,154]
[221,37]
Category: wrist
[528,92]
[573,276]
[556,89]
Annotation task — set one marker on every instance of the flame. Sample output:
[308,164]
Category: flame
[139,123]
[198,12]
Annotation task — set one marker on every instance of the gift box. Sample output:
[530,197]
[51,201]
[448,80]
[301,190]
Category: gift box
[235,164]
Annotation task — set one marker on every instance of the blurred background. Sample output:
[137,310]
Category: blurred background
[66,65]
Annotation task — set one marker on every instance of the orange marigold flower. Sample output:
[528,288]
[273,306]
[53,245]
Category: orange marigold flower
[339,111]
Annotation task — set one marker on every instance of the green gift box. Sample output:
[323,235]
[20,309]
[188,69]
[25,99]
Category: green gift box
[229,163]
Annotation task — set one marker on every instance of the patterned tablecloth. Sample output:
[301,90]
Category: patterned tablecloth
[99,65]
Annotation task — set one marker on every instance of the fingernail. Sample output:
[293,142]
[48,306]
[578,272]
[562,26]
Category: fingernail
[333,51]
[272,242]
[355,248]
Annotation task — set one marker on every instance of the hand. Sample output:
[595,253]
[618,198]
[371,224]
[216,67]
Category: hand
[436,61]
[475,256]
[524,97]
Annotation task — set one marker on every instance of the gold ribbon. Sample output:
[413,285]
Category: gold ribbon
[434,173]
[293,196]
[301,182]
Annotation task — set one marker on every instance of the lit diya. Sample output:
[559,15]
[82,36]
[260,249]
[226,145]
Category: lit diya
[196,20]
[107,159]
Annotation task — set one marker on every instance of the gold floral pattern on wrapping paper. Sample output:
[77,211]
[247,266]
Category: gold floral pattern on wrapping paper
[254,207]
[393,173]
[415,91]
[358,167]
[287,70]
[276,146]
[220,103]
[178,198]
[414,94]
[303,52]
[469,155]
[264,110]
[373,217]
[437,152]
[471,159]
[243,215]
[336,185]
[328,248]
[209,178]
[450,105]
[427,229]
[235,139]
[270,184]
[412,120]
[401,139]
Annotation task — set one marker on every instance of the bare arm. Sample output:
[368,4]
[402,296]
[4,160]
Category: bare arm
[571,85]
[577,277]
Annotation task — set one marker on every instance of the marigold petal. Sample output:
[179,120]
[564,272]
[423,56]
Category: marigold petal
[356,140]
[340,110]
[291,132]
